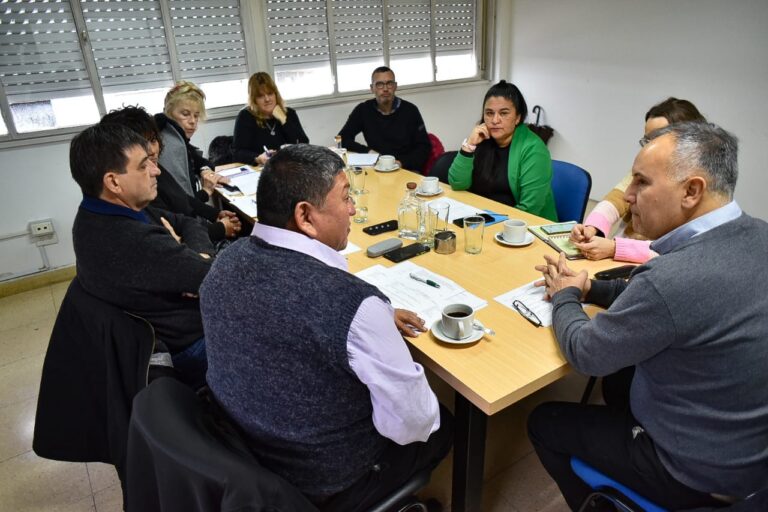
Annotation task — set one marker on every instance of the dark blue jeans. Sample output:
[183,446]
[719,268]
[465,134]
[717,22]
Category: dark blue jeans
[192,364]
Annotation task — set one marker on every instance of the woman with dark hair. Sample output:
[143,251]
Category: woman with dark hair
[502,159]
[266,124]
[592,237]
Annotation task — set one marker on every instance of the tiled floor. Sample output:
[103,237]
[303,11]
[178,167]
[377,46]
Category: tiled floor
[517,481]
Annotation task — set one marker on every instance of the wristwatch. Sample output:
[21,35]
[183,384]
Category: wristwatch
[466,146]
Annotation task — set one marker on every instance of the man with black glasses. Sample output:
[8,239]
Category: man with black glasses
[390,125]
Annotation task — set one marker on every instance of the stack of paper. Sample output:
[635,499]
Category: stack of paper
[424,300]
[362,159]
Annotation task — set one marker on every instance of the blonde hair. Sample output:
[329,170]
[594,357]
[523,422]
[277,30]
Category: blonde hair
[258,85]
[185,91]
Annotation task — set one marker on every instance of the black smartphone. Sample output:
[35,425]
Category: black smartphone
[226,186]
[460,222]
[404,253]
[621,272]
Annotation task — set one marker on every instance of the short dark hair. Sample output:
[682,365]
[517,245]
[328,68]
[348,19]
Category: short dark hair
[509,91]
[138,120]
[704,146]
[98,150]
[381,69]
[299,172]
[675,110]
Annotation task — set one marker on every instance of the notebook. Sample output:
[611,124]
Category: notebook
[560,242]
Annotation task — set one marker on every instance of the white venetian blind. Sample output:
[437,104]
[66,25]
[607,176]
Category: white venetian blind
[409,27]
[298,32]
[358,29]
[128,42]
[209,40]
[40,56]
[454,26]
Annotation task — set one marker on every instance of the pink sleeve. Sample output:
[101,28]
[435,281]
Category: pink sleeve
[598,219]
[633,251]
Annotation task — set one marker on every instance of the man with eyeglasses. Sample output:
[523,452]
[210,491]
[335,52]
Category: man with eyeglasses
[390,125]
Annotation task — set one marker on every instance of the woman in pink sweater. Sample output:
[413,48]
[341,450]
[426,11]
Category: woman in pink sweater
[593,236]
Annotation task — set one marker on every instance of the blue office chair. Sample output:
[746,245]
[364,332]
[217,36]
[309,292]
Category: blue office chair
[571,186]
[621,496]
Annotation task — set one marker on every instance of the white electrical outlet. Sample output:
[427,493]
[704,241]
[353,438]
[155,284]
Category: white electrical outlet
[41,228]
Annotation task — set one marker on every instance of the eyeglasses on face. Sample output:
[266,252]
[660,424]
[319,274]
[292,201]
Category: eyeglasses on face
[644,141]
[389,84]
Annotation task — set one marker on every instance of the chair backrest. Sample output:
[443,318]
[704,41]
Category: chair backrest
[182,456]
[437,150]
[441,166]
[220,150]
[571,186]
[602,485]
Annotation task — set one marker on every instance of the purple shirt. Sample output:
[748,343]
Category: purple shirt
[405,409]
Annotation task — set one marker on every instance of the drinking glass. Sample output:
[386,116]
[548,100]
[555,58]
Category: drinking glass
[473,234]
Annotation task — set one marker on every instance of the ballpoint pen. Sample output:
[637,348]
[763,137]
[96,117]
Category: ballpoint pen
[425,281]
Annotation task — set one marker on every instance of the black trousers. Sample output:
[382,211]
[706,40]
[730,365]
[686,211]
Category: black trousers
[396,466]
[612,442]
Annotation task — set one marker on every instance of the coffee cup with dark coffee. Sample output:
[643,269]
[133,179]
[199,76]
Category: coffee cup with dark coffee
[457,321]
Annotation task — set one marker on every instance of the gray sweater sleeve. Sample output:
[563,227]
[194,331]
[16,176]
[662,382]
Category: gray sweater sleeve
[637,326]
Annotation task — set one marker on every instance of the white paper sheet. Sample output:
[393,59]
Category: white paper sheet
[236,171]
[458,209]
[533,298]
[247,183]
[246,204]
[406,293]
[349,249]
[362,159]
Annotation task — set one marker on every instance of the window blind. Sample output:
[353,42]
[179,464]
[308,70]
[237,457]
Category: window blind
[210,45]
[454,26]
[409,27]
[298,32]
[128,43]
[40,55]
[358,29]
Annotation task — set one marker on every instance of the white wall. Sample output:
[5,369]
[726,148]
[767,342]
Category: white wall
[37,183]
[596,66]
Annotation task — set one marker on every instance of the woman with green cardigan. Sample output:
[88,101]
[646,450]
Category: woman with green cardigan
[503,160]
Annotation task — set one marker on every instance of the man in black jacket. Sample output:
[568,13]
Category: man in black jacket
[147,261]
[390,125]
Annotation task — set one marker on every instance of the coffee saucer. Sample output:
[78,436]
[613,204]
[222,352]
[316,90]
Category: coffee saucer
[384,169]
[437,332]
[421,193]
[528,240]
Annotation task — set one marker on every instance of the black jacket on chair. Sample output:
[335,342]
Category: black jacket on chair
[97,360]
[183,456]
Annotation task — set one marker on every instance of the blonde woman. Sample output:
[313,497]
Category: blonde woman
[184,109]
[265,124]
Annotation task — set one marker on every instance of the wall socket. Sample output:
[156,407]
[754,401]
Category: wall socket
[42,232]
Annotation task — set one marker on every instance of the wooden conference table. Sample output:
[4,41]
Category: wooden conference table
[497,371]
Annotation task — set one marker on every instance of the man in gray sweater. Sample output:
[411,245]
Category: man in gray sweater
[693,322]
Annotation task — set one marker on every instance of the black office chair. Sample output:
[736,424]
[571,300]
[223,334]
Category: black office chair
[184,457]
[442,164]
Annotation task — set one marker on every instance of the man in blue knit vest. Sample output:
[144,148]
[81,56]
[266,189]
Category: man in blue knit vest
[693,321]
[305,357]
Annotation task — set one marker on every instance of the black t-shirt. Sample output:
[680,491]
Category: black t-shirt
[496,185]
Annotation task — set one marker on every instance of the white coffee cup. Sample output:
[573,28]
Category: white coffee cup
[514,231]
[457,321]
[386,162]
[430,185]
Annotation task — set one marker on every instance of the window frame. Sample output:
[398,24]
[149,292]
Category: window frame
[253,18]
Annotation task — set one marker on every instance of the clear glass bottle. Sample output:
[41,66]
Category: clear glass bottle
[410,216]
